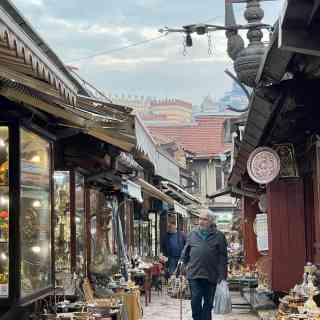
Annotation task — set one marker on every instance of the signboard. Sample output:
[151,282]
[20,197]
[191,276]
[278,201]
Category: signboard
[261,228]
[263,165]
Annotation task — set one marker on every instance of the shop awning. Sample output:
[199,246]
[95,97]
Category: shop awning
[178,193]
[164,166]
[233,191]
[153,191]
[132,189]
[180,209]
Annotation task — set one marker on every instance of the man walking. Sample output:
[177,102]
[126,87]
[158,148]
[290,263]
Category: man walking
[205,257]
[173,244]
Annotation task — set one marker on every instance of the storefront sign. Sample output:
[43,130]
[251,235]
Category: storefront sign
[263,165]
[261,228]
[132,189]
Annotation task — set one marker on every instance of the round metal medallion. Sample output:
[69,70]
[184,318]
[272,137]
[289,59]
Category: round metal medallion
[263,165]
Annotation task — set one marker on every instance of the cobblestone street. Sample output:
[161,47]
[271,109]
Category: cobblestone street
[163,307]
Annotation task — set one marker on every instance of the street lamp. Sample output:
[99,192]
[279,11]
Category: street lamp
[246,59]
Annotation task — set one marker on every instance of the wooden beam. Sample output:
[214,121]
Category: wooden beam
[104,175]
[314,12]
[28,81]
[20,96]
[300,40]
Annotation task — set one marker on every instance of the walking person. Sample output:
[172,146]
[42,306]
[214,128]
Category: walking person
[205,258]
[172,245]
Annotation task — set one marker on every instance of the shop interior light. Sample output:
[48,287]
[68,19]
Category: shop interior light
[78,220]
[36,249]
[2,143]
[3,256]
[36,204]
[35,158]
[4,200]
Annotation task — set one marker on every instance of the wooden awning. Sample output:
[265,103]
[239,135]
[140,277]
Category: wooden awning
[180,194]
[154,192]
[18,92]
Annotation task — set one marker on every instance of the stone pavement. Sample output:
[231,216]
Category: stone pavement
[163,307]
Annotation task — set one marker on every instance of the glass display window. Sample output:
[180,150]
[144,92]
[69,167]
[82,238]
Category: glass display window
[155,234]
[35,213]
[62,231]
[80,224]
[142,238]
[4,212]
[101,260]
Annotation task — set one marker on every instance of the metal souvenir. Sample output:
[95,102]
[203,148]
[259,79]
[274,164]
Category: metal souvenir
[263,165]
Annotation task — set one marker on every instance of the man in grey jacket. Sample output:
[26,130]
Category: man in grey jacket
[205,257]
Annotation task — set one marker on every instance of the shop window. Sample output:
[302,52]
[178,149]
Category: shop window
[62,231]
[101,233]
[154,234]
[80,223]
[4,212]
[35,215]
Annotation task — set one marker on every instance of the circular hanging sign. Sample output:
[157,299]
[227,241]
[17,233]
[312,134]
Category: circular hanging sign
[263,165]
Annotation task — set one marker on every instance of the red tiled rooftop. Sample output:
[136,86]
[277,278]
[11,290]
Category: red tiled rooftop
[205,137]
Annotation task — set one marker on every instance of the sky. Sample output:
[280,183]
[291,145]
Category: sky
[75,29]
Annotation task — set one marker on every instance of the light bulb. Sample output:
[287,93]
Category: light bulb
[36,204]
[35,159]
[3,256]
[2,143]
[4,200]
[36,249]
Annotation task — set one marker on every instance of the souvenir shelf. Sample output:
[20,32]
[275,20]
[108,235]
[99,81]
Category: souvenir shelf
[62,231]
[25,216]
[69,216]
[101,235]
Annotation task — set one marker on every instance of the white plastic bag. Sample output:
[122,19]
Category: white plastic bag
[222,299]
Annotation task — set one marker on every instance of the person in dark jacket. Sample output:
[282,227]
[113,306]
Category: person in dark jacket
[205,258]
[172,245]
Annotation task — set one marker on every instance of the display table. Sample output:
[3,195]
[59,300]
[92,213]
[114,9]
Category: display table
[247,288]
[132,303]
[144,280]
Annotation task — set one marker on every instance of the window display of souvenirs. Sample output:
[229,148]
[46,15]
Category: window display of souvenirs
[35,219]
[101,234]
[4,212]
[62,232]
[80,224]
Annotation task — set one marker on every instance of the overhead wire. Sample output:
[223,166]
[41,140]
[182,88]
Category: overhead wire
[136,44]
[102,53]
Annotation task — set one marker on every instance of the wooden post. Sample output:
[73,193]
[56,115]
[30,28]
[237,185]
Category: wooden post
[249,211]
[287,242]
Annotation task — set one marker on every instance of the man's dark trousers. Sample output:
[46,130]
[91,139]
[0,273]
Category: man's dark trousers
[202,295]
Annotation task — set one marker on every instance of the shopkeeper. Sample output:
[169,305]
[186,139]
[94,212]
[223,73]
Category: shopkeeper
[172,244]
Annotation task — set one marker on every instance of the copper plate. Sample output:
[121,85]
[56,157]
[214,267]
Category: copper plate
[263,165]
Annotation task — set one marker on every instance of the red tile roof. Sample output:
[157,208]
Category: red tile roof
[204,137]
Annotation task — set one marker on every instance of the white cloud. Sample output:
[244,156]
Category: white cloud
[110,61]
[38,3]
